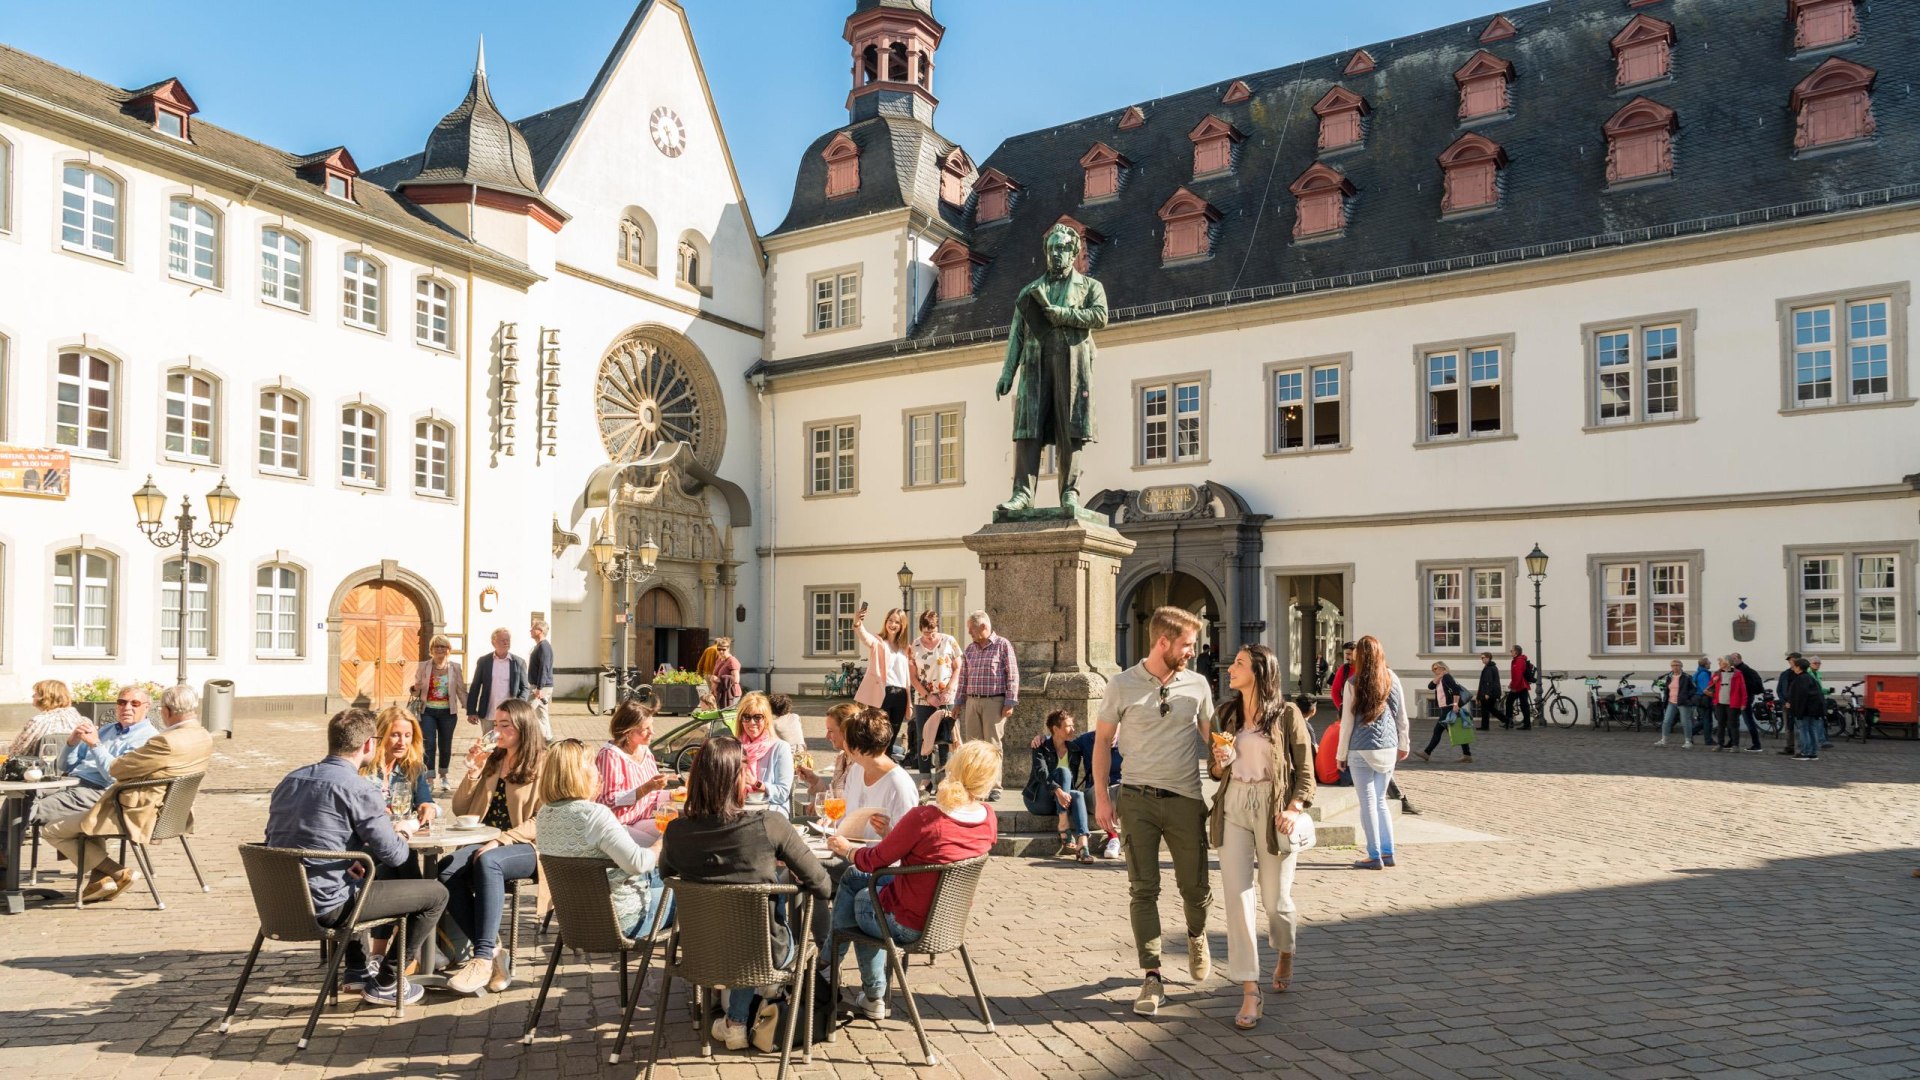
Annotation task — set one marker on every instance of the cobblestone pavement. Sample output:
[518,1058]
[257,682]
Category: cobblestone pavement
[1644,913]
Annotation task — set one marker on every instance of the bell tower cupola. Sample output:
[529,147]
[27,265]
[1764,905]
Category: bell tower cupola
[893,45]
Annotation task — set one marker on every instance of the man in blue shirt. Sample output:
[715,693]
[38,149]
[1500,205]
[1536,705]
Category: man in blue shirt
[90,754]
[331,807]
[1702,682]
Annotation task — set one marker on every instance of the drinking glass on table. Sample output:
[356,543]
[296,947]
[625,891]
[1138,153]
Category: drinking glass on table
[662,816]
[835,807]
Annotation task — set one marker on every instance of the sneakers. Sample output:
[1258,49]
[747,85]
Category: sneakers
[1199,960]
[1662,742]
[1686,745]
[855,1000]
[502,974]
[472,976]
[993,796]
[375,994]
[729,1034]
[1112,850]
[1753,750]
[109,886]
[1152,995]
[356,978]
[1424,756]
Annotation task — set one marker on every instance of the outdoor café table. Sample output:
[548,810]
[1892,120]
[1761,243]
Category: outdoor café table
[426,845]
[16,798]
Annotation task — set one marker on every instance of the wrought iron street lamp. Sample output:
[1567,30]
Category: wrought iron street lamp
[623,568]
[1537,572]
[150,508]
[905,578]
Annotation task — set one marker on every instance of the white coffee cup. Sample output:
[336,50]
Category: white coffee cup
[32,776]
[467,821]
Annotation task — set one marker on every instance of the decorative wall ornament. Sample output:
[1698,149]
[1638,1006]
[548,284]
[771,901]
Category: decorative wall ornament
[655,387]
[506,402]
[549,433]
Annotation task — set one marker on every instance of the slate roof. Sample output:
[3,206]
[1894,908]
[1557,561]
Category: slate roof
[52,83]
[1733,71]
[899,166]
[925,7]
[474,144]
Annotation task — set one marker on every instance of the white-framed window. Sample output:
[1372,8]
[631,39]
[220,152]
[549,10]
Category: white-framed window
[283,428]
[1465,390]
[1844,349]
[193,242]
[6,186]
[193,411]
[1640,370]
[1172,421]
[283,268]
[198,587]
[836,300]
[1855,599]
[171,124]
[89,212]
[86,411]
[83,602]
[833,449]
[432,455]
[276,611]
[339,185]
[361,291]
[1644,604]
[433,314]
[1465,607]
[360,449]
[933,446]
[944,599]
[830,611]
[1307,405]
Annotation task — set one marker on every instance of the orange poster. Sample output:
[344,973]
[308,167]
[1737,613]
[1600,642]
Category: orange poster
[41,474]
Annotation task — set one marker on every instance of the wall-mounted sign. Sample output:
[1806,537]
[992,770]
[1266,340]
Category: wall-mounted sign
[1169,499]
[38,474]
[487,575]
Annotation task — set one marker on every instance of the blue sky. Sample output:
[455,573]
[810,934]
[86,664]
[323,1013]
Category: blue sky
[305,77]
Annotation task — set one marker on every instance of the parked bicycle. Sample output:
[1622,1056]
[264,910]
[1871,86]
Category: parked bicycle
[1556,706]
[627,686]
[847,680]
[1768,714]
[1622,706]
[1846,717]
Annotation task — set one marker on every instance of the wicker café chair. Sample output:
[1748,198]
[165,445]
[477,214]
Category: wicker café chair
[946,931]
[176,818]
[723,936]
[583,903]
[278,877]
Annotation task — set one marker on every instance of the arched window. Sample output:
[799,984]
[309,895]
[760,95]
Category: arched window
[195,579]
[86,409]
[1640,141]
[362,454]
[276,611]
[433,313]
[83,602]
[694,271]
[432,458]
[192,417]
[90,212]
[362,294]
[193,242]
[283,268]
[283,432]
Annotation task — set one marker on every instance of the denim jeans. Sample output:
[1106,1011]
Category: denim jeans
[1812,729]
[652,917]
[740,998]
[853,909]
[436,733]
[1684,713]
[477,890]
[1375,823]
[1076,809]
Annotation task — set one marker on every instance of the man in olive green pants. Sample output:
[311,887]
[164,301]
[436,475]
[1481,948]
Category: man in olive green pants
[1161,713]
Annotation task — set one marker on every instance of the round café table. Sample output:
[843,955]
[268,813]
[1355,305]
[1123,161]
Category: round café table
[16,799]
[427,845]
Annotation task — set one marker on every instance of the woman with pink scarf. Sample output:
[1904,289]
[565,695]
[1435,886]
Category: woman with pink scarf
[631,783]
[768,759]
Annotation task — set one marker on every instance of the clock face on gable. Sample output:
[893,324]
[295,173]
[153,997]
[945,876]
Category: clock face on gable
[669,134]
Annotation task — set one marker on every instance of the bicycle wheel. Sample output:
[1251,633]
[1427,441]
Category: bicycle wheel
[1563,712]
[1651,715]
[683,760]
[593,701]
[1837,722]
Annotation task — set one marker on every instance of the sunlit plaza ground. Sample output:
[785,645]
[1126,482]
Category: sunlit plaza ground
[1574,904]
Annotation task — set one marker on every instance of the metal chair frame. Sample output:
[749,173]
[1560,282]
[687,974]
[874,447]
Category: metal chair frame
[176,815]
[948,917]
[587,925]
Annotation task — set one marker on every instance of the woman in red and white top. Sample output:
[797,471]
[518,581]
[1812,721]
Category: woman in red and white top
[631,783]
[934,668]
[955,827]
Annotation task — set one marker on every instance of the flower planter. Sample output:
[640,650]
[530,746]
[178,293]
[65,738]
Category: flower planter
[677,699]
[101,713]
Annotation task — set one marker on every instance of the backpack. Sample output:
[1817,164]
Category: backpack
[1533,673]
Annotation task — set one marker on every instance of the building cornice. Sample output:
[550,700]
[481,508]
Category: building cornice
[865,225]
[672,305]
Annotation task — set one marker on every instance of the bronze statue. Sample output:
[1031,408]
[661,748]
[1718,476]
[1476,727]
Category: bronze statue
[1050,346]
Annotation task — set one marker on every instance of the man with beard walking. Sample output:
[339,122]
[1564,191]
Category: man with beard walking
[1161,713]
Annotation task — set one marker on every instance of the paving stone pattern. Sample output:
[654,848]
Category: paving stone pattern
[1644,913]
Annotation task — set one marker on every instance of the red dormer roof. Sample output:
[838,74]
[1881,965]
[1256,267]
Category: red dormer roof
[168,92]
[336,160]
[1132,118]
[1833,77]
[1482,65]
[1641,114]
[1500,29]
[1236,93]
[1471,148]
[1213,128]
[1642,28]
[1102,154]
[1361,63]
[1340,99]
[1185,204]
[1321,177]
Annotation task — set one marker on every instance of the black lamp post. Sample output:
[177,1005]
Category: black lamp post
[622,568]
[150,505]
[1537,571]
[905,578]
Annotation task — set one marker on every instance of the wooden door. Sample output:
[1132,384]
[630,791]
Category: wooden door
[379,644]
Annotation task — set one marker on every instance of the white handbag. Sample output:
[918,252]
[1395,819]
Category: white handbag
[1304,835]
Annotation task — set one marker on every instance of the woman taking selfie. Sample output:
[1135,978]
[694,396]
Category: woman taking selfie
[1373,738]
[889,666]
[1266,784]
[501,787]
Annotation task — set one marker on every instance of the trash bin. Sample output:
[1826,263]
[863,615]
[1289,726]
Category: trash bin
[216,706]
[609,697]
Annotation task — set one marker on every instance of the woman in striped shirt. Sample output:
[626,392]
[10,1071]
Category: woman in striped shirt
[631,783]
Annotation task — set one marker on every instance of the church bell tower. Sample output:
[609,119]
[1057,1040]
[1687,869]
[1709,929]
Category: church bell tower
[893,45]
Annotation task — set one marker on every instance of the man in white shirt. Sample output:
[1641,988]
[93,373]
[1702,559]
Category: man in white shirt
[1161,713]
[497,676]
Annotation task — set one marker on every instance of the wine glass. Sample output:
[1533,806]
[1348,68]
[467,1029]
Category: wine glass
[662,817]
[835,807]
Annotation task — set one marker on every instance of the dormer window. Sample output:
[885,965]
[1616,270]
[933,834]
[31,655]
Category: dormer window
[1213,143]
[1361,63]
[340,185]
[995,190]
[1500,29]
[1483,83]
[1322,192]
[1103,166]
[1818,24]
[333,170]
[1342,116]
[957,266]
[1236,93]
[1132,118]
[1472,170]
[956,172]
[1090,241]
[842,156]
[170,123]
[1640,141]
[1834,105]
[1189,227]
[1642,51]
[167,106]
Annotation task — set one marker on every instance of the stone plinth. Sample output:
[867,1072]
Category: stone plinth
[1051,592]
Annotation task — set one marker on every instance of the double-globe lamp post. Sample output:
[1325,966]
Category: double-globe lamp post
[150,504]
[623,568]
[1537,571]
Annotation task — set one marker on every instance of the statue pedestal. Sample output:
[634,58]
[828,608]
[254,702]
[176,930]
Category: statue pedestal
[1051,592]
